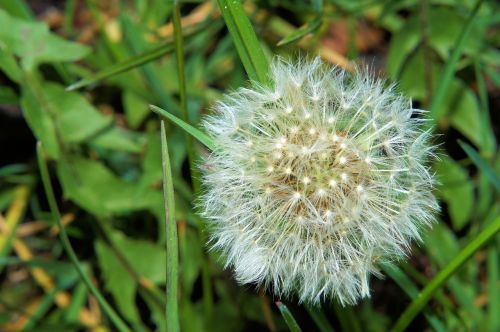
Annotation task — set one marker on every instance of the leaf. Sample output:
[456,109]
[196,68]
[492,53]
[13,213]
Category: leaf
[442,246]
[147,260]
[136,108]
[456,190]
[493,289]
[462,108]
[63,236]
[251,54]
[196,133]
[131,63]
[402,44]
[8,95]
[116,280]
[119,139]
[18,9]
[445,27]
[48,107]
[411,290]
[95,188]
[448,271]
[191,251]
[35,44]
[319,318]
[288,317]
[172,241]
[8,64]
[36,115]
[449,69]
[481,164]
[301,32]
[77,119]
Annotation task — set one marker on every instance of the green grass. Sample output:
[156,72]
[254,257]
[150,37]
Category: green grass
[96,242]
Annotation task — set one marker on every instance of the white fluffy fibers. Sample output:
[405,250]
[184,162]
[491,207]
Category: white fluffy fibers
[314,179]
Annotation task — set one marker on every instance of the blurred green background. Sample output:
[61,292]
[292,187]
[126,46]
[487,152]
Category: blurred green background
[78,75]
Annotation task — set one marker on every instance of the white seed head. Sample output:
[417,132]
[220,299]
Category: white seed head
[312,216]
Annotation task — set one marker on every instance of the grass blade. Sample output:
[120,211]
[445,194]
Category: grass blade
[244,38]
[119,68]
[449,69]
[56,215]
[319,319]
[304,30]
[194,171]
[179,55]
[196,133]
[488,144]
[346,318]
[172,306]
[411,290]
[481,164]
[288,317]
[438,281]
[493,289]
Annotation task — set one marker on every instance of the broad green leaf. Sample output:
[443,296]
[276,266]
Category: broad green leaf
[191,316]
[95,188]
[76,118]
[146,258]
[8,96]
[36,113]
[35,44]
[456,190]
[445,26]
[191,259]
[462,108]
[301,32]
[19,9]
[446,77]
[8,64]
[48,107]
[117,281]
[412,78]
[402,44]
[459,105]
[136,108]
[120,139]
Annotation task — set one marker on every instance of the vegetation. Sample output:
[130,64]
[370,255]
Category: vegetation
[99,228]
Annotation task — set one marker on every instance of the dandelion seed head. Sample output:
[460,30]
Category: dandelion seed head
[339,181]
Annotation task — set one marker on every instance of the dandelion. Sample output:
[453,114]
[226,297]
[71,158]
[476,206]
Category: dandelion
[315,179]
